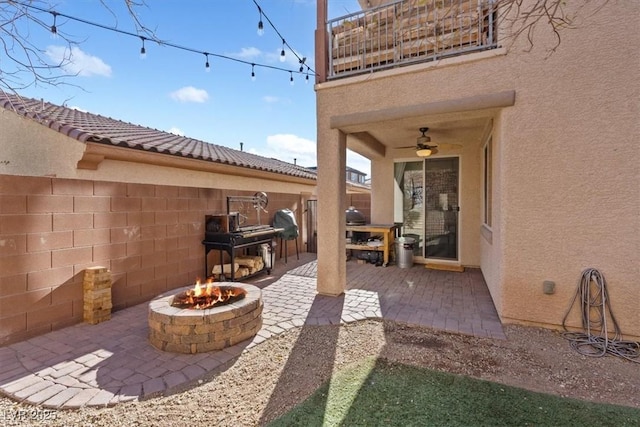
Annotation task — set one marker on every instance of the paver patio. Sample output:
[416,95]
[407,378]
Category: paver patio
[112,362]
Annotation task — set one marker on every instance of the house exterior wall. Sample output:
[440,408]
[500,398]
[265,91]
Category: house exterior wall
[571,181]
[566,182]
[491,236]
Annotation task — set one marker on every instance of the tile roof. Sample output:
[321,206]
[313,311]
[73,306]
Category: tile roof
[88,127]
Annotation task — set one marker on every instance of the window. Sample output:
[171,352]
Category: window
[487,183]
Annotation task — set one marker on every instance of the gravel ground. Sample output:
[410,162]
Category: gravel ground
[271,378]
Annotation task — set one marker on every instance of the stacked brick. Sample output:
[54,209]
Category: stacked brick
[96,287]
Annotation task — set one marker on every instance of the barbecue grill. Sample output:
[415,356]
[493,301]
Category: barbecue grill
[223,233]
[354,216]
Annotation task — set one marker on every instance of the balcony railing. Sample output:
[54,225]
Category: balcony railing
[409,31]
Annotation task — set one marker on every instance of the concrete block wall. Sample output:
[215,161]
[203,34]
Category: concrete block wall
[51,230]
[362,203]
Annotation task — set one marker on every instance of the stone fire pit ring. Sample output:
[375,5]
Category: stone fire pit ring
[189,331]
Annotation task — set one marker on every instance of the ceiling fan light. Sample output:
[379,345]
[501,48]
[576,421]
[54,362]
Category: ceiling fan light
[423,152]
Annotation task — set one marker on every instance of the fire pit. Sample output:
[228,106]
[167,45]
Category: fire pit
[205,318]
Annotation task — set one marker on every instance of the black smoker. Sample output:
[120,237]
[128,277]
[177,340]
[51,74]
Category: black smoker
[355,217]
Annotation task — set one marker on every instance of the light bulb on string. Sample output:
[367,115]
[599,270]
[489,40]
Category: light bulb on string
[282,54]
[253,73]
[54,29]
[302,65]
[143,51]
[306,79]
[260,25]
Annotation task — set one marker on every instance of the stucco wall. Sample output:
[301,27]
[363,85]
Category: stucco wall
[566,155]
[570,171]
[491,247]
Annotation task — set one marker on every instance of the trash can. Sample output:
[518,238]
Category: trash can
[404,252]
[267,255]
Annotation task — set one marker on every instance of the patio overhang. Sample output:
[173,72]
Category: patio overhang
[373,133]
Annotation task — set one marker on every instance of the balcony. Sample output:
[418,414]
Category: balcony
[407,32]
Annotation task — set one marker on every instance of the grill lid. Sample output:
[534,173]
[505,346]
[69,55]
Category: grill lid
[354,217]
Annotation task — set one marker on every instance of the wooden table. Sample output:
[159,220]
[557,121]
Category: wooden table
[388,238]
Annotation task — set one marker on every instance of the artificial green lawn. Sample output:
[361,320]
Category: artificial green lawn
[377,393]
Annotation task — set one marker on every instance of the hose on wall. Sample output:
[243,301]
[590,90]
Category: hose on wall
[595,306]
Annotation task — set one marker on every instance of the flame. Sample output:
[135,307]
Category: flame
[203,297]
[209,287]
[197,289]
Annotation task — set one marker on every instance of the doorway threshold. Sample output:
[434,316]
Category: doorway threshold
[445,267]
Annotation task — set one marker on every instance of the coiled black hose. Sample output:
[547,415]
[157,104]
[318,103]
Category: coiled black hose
[595,306]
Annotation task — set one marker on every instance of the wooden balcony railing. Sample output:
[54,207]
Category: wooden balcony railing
[409,31]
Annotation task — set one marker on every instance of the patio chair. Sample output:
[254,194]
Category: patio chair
[285,218]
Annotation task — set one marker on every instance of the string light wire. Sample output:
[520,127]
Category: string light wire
[159,42]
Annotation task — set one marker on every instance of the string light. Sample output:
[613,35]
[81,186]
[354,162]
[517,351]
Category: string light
[260,25]
[206,64]
[284,43]
[306,79]
[253,73]
[302,61]
[143,51]
[54,30]
[282,54]
[291,78]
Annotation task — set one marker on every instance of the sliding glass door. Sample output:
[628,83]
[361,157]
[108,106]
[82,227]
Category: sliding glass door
[426,204]
[441,205]
[408,202]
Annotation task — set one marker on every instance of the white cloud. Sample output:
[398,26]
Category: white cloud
[247,53]
[292,143]
[176,131]
[361,163]
[190,94]
[270,99]
[290,60]
[287,147]
[77,62]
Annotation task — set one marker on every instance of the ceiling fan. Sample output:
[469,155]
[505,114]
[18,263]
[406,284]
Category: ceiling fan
[425,149]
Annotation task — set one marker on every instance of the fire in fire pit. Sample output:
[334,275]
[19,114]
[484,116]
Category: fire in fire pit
[203,297]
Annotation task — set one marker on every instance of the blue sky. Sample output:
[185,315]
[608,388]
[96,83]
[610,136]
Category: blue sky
[171,90]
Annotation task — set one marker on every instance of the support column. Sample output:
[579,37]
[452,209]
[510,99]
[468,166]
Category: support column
[322,43]
[332,162]
[382,186]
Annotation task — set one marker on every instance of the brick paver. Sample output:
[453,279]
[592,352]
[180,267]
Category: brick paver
[113,362]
